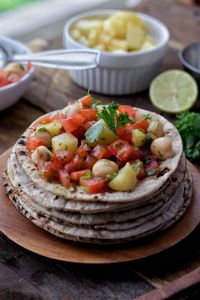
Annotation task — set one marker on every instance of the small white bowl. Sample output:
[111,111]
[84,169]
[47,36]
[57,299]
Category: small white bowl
[11,93]
[119,74]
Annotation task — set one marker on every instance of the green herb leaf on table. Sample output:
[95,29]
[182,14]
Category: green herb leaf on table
[188,125]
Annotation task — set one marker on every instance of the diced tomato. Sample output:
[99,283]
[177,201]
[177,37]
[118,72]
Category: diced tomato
[75,176]
[125,133]
[74,165]
[48,170]
[152,166]
[63,156]
[142,124]
[83,149]
[101,151]
[64,178]
[122,150]
[28,66]
[72,123]
[93,185]
[89,162]
[79,132]
[4,80]
[88,124]
[34,142]
[137,153]
[126,109]
[90,114]
[86,101]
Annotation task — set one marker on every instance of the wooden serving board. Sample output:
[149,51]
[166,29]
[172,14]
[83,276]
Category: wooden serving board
[20,230]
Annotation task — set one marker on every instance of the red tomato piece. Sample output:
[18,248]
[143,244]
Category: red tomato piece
[137,153]
[63,156]
[28,66]
[101,152]
[75,176]
[122,150]
[90,114]
[48,170]
[93,185]
[89,162]
[34,142]
[64,178]
[125,133]
[86,101]
[4,80]
[126,109]
[83,149]
[142,124]
[152,166]
[74,165]
[79,132]
[72,123]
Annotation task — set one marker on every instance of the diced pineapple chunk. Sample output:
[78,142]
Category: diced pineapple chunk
[65,141]
[53,128]
[125,180]
[135,36]
[86,25]
[117,44]
[83,40]
[75,34]
[138,138]
[115,26]
[148,45]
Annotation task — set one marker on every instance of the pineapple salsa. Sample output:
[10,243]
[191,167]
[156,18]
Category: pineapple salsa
[99,148]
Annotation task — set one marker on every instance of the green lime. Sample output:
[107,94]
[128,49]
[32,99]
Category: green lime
[173,91]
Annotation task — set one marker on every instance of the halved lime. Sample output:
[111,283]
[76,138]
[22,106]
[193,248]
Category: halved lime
[173,91]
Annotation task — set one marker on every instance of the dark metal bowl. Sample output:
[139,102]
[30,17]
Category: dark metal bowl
[190,58]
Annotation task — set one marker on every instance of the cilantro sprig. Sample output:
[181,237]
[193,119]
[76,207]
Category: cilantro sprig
[188,125]
[111,117]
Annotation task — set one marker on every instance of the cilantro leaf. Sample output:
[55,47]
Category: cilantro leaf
[110,116]
[93,133]
[95,102]
[188,125]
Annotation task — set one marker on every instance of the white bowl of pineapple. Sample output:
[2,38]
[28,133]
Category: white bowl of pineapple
[132,46]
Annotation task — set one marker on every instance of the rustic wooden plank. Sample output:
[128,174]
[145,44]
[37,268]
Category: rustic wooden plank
[174,288]
[57,280]
[14,121]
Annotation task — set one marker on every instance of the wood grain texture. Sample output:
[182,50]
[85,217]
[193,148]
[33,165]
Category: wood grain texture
[20,230]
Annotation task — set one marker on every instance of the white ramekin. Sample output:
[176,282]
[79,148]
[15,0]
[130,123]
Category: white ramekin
[120,74]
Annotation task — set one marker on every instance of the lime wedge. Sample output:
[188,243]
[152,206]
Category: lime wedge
[173,91]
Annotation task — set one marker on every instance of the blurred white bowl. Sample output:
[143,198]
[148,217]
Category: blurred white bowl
[11,93]
[119,74]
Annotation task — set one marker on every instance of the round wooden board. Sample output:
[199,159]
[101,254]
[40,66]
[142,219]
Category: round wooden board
[20,230]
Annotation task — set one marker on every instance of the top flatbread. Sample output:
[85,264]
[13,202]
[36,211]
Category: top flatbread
[144,189]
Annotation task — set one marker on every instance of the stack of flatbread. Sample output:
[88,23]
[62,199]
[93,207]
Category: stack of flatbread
[156,203]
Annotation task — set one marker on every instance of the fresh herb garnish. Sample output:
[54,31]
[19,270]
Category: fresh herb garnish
[22,67]
[188,125]
[88,175]
[95,102]
[109,114]
[111,176]
[93,133]
[146,116]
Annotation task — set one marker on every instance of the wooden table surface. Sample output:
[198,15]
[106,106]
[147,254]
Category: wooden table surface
[24,275]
